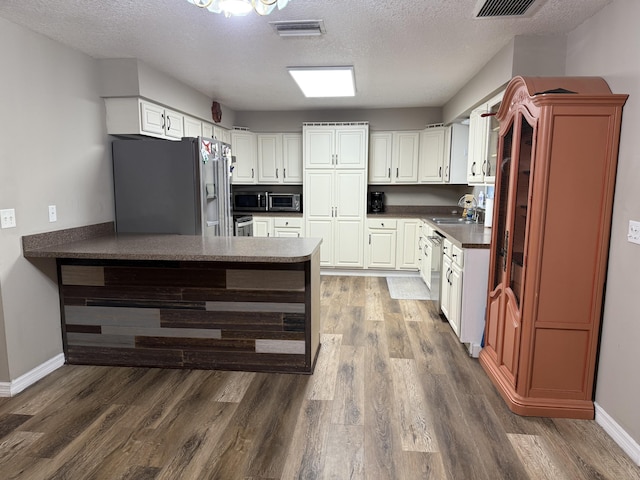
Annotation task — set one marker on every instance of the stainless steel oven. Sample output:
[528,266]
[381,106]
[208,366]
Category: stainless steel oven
[243,225]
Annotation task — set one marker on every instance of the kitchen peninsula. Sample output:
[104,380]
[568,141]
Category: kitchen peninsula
[185,301]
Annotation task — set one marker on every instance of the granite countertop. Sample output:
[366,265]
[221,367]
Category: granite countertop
[468,235]
[112,246]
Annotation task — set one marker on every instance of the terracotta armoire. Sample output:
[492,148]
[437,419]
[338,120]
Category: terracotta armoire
[557,156]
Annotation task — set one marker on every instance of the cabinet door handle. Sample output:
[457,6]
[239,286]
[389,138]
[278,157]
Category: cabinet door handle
[276,173]
[298,234]
[284,173]
[488,172]
[369,239]
[440,171]
[473,169]
[484,171]
[252,173]
[168,123]
[389,173]
[163,120]
[446,171]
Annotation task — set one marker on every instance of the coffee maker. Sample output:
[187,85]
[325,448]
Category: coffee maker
[376,202]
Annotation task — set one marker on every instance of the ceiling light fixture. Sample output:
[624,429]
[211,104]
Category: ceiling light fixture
[240,7]
[325,81]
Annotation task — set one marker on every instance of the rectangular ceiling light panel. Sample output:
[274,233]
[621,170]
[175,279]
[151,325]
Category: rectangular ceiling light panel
[324,81]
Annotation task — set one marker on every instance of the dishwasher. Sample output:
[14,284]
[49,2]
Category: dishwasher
[435,246]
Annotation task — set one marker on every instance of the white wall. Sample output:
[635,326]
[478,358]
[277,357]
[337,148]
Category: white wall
[379,119]
[129,77]
[607,45]
[54,151]
[523,55]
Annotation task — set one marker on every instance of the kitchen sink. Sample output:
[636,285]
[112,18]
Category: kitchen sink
[451,220]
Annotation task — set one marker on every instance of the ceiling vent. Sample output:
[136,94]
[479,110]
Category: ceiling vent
[506,8]
[299,28]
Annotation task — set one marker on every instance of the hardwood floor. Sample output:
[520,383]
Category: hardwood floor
[394,396]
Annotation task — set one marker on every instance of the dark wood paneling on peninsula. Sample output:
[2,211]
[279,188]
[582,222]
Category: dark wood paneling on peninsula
[209,315]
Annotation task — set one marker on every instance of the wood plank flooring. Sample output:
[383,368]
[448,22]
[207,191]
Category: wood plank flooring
[394,396]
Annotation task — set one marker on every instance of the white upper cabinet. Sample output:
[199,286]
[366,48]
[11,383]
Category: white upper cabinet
[243,148]
[160,121]
[280,158]
[393,157]
[292,158]
[405,157]
[192,127]
[380,157]
[207,130]
[483,142]
[432,154]
[269,158]
[456,154]
[336,146]
[134,116]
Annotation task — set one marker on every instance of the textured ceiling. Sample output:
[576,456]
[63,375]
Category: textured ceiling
[406,53]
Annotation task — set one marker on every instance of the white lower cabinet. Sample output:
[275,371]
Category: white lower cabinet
[381,251]
[288,227]
[262,226]
[407,253]
[392,243]
[463,292]
[292,227]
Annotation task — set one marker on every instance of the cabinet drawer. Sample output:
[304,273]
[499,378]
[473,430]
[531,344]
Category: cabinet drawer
[390,224]
[287,222]
[447,248]
[457,255]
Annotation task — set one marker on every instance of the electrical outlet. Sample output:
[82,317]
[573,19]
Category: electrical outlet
[53,215]
[634,232]
[8,218]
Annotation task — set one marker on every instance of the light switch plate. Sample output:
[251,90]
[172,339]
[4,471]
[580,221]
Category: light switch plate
[634,232]
[53,215]
[8,218]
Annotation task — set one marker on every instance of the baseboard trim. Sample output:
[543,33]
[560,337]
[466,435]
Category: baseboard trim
[9,389]
[618,434]
[369,273]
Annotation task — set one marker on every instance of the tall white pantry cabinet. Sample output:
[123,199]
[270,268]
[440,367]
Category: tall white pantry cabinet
[335,190]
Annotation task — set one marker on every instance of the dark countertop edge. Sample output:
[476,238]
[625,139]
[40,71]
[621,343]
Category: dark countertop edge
[454,234]
[166,258]
[101,247]
[32,243]
[274,214]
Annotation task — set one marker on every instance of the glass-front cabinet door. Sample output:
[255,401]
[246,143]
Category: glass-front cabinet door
[504,313]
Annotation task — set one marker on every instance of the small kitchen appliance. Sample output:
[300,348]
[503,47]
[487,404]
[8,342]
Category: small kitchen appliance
[250,201]
[376,202]
[284,202]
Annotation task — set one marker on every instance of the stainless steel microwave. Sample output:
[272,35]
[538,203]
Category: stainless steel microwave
[250,201]
[284,202]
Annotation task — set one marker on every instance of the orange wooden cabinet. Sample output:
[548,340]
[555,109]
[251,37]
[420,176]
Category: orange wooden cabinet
[557,157]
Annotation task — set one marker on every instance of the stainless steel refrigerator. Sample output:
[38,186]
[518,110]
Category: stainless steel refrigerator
[163,186]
